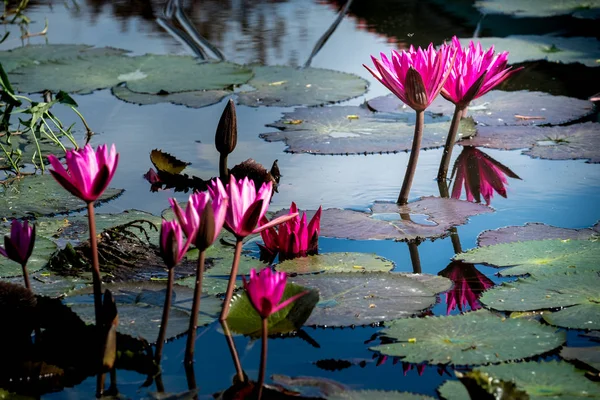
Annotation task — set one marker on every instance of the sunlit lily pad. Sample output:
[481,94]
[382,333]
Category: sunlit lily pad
[194,99]
[42,251]
[477,337]
[537,256]
[540,8]
[336,262]
[579,141]
[143,74]
[578,291]
[348,299]
[587,355]
[288,86]
[377,394]
[584,50]
[39,195]
[534,231]
[140,308]
[390,103]
[356,130]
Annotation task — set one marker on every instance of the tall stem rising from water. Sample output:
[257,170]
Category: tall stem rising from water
[191,339]
[414,157]
[232,278]
[450,140]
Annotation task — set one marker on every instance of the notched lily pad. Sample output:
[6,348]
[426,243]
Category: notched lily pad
[537,256]
[534,231]
[287,87]
[39,195]
[195,99]
[336,262]
[356,130]
[477,337]
[587,355]
[573,142]
[348,299]
[42,251]
[540,8]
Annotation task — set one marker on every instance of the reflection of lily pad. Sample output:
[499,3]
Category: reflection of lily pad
[336,262]
[577,291]
[369,298]
[195,99]
[477,337]
[534,231]
[143,74]
[42,251]
[356,130]
[377,394]
[537,256]
[540,8]
[587,355]
[287,86]
[585,50]
[39,195]
[140,308]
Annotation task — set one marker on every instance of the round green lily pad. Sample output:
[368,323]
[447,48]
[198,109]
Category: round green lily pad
[473,338]
[540,8]
[38,195]
[377,394]
[578,291]
[348,299]
[453,390]
[140,307]
[537,256]
[46,283]
[194,99]
[336,262]
[288,86]
[356,130]
[534,231]
[42,251]
[587,355]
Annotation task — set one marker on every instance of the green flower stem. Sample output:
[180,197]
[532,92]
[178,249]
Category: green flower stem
[52,136]
[412,161]
[450,140]
[57,123]
[87,127]
[263,357]
[96,280]
[191,339]
[10,160]
[160,341]
[232,278]
[233,351]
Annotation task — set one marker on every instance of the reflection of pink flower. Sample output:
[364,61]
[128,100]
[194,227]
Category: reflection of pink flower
[19,245]
[265,290]
[293,238]
[469,283]
[151,176]
[481,175]
[408,366]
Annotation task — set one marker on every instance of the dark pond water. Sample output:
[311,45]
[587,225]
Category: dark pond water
[561,193]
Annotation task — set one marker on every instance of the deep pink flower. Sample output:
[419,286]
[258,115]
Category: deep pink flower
[431,65]
[293,238]
[469,283]
[19,245]
[172,245]
[88,173]
[471,63]
[246,206]
[265,290]
[481,175]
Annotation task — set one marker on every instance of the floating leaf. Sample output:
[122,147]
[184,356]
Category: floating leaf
[328,130]
[348,299]
[477,337]
[46,283]
[540,8]
[534,231]
[336,262]
[140,308]
[537,256]
[39,195]
[578,291]
[587,355]
[377,394]
[579,141]
[195,99]
[42,251]
[453,390]
[288,86]
[164,162]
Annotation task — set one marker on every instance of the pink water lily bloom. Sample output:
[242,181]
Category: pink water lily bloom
[265,290]
[88,173]
[397,73]
[465,82]
[19,245]
[469,284]
[172,245]
[246,206]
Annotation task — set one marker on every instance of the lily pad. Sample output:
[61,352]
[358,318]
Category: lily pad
[348,299]
[46,283]
[584,50]
[377,394]
[540,8]
[194,99]
[140,308]
[287,87]
[390,103]
[143,74]
[356,130]
[587,355]
[42,251]
[537,256]
[39,195]
[579,141]
[578,291]
[534,231]
[336,262]
[477,337]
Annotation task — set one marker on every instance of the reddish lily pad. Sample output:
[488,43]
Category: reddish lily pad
[534,231]
[356,130]
[587,355]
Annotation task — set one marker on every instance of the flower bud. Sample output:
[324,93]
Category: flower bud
[226,136]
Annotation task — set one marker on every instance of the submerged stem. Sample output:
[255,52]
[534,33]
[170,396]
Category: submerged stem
[450,140]
[160,341]
[96,280]
[263,357]
[412,161]
[232,278]
[191,339]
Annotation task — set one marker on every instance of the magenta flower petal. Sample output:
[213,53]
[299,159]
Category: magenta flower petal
[19,245]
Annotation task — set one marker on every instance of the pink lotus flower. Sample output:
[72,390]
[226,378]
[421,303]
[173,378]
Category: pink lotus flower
[19,245]
[88,173]
[475,72]
[415,76]
[293,238]
[246,206]
[481,175]
[469,283]
[265,290]
[172,245]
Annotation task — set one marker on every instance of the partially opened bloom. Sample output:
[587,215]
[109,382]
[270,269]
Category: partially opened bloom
[469,284]
[19,245]
[88,173]
[265,290]
[480,174]
[172,245]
